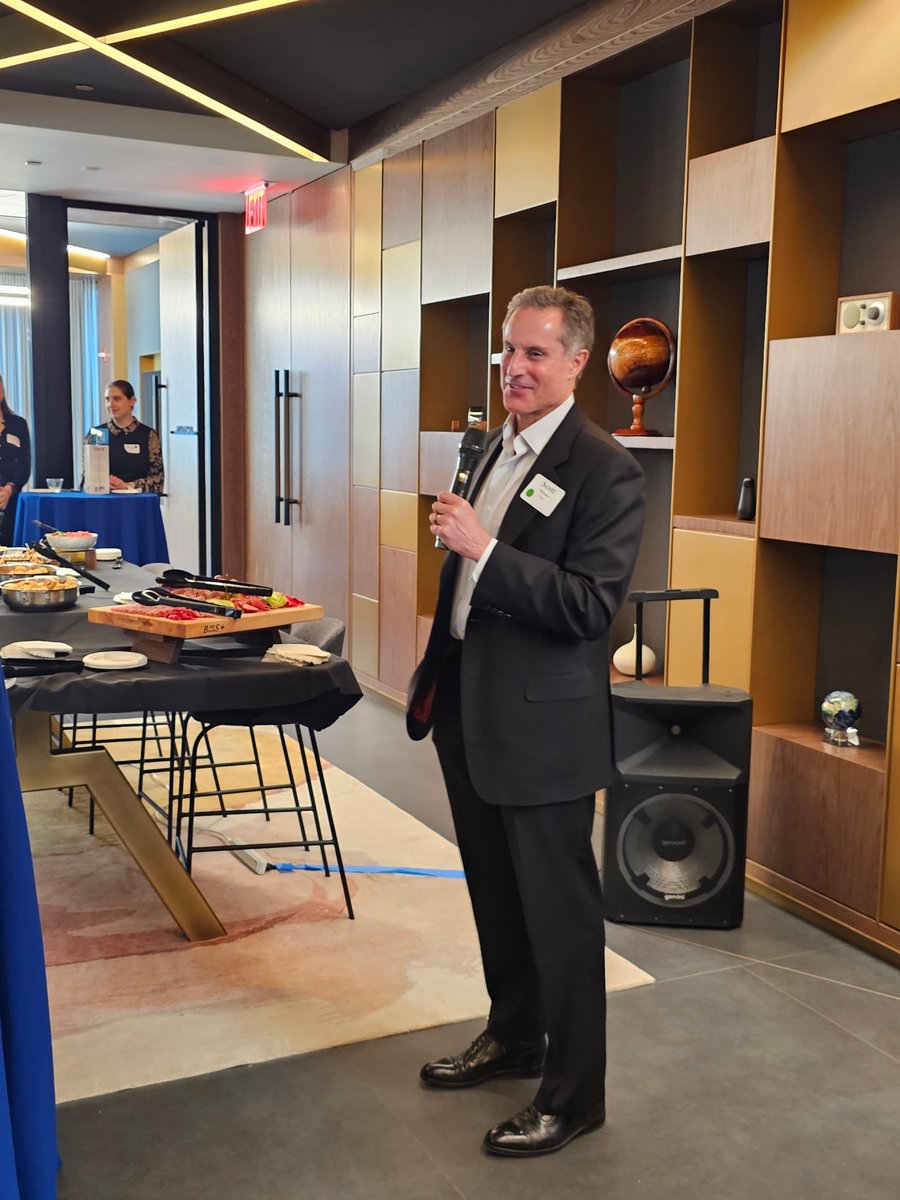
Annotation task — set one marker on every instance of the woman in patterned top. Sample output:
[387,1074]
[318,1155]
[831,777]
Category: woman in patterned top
[135,455]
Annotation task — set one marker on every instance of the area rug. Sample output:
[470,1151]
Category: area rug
[133,1003]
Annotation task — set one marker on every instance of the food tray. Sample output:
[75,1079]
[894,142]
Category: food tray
[204,624]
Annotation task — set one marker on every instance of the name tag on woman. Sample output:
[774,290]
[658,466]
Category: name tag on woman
[132,448]
[13,440]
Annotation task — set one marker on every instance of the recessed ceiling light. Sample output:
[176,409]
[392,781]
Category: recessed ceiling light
[84,87]
[33,162]
[90,168]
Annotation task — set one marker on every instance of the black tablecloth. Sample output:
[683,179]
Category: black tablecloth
[207,678]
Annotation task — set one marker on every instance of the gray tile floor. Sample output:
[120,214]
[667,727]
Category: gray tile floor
[764,1062]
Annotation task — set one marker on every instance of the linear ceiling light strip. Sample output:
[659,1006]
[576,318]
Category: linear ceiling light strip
[224,13]
[160,77]
[29,56]
[190,20]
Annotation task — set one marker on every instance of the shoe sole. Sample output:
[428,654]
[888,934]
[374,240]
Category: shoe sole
[512,1153]
[510,1073]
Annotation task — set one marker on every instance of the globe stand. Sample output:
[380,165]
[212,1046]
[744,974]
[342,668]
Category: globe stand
[841,737]
[636,429]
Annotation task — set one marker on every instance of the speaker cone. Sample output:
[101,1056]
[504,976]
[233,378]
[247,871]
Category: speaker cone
[675,850]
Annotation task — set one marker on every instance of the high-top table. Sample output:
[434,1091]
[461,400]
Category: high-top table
[131,521]
[208,677]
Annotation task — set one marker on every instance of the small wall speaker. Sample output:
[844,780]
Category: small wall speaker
[860,314]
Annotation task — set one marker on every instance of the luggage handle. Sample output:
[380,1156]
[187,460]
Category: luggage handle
[639,599]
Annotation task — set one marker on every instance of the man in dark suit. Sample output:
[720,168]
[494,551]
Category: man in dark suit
[515,681]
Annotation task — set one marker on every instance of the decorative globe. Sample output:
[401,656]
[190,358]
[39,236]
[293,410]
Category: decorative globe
[841,710]
[641,357]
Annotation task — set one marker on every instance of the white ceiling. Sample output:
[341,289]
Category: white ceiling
[141,156]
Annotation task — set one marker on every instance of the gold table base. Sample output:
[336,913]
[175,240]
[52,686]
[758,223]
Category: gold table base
[39,768]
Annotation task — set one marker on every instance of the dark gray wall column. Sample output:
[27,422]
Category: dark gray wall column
[48,278]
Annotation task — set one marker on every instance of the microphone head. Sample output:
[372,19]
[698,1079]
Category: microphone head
[473,441]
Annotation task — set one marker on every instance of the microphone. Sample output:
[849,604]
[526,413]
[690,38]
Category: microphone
[471,449]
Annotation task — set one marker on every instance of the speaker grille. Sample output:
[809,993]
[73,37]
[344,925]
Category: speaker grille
[675,850]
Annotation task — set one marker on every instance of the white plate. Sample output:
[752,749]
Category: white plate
[125,491]
[23,649]
[108,553]
[115,660]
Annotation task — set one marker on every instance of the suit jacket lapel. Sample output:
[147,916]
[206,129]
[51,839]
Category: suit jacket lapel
[555,453]
[491,453]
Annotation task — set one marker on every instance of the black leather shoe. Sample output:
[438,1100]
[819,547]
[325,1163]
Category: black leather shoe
[531,1132]
[485,1059]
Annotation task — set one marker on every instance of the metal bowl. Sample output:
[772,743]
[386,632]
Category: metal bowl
[24,600]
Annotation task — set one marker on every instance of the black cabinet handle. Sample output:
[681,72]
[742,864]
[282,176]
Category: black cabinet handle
[289,500]
[277,462]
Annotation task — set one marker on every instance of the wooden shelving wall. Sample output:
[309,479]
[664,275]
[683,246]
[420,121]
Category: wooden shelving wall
[731,177]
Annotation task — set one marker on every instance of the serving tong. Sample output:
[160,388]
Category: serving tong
[25,668]
[43,548]
[174,577]
[162,595]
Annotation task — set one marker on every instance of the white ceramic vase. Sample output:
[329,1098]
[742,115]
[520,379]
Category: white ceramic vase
[625,658]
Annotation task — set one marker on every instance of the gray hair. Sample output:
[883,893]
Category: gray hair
[577,314]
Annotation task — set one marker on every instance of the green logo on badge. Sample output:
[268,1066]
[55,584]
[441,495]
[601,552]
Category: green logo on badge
[529,492]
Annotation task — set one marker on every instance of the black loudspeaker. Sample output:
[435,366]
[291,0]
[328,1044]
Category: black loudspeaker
[675,825]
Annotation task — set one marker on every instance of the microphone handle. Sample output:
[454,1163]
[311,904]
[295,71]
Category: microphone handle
[462,481]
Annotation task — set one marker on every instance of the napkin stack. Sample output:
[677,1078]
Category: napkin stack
[28,650]
[296,653]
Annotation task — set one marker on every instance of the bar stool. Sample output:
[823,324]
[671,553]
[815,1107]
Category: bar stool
[322,821]
[328,634]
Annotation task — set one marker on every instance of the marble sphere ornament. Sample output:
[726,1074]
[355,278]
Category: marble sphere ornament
[641,360]
[840,712]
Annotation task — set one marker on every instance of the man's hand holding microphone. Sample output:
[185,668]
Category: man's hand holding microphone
[453,521]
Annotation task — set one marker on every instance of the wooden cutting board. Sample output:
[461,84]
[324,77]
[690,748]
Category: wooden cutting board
[204,624]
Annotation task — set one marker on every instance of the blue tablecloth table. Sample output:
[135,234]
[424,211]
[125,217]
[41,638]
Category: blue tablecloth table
[28,1156]
[132,522]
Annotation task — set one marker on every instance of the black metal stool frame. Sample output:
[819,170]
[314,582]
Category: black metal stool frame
[186,848]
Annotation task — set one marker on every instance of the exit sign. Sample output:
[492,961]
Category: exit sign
[255,209]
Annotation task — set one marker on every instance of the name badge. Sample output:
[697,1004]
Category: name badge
[13,440]
[132,448]
[542,494]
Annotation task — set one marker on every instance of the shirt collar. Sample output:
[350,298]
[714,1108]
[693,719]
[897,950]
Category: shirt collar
[129,428]
[536,436]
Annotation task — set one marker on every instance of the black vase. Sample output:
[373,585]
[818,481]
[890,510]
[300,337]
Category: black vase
[746,508]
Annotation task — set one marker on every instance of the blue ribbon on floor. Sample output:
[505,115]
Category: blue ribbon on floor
[441,873]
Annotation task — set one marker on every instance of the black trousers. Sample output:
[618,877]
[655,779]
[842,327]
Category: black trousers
[538,908]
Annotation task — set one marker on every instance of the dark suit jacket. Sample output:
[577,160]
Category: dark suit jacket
[534,673]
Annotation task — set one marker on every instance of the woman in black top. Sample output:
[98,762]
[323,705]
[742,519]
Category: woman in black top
[15,465]
[135,455]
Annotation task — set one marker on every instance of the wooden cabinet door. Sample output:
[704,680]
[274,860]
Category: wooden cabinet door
[179,435]
[319,449]
[458,211]
[267,358]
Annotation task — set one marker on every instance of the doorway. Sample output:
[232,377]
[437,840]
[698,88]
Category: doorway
[154,326]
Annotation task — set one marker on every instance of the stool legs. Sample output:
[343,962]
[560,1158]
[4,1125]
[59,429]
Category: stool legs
[189,795]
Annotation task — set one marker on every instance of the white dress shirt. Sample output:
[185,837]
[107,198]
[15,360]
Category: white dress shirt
[508,475]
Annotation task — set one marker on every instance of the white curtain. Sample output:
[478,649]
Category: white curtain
[15,350]
[84,338]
